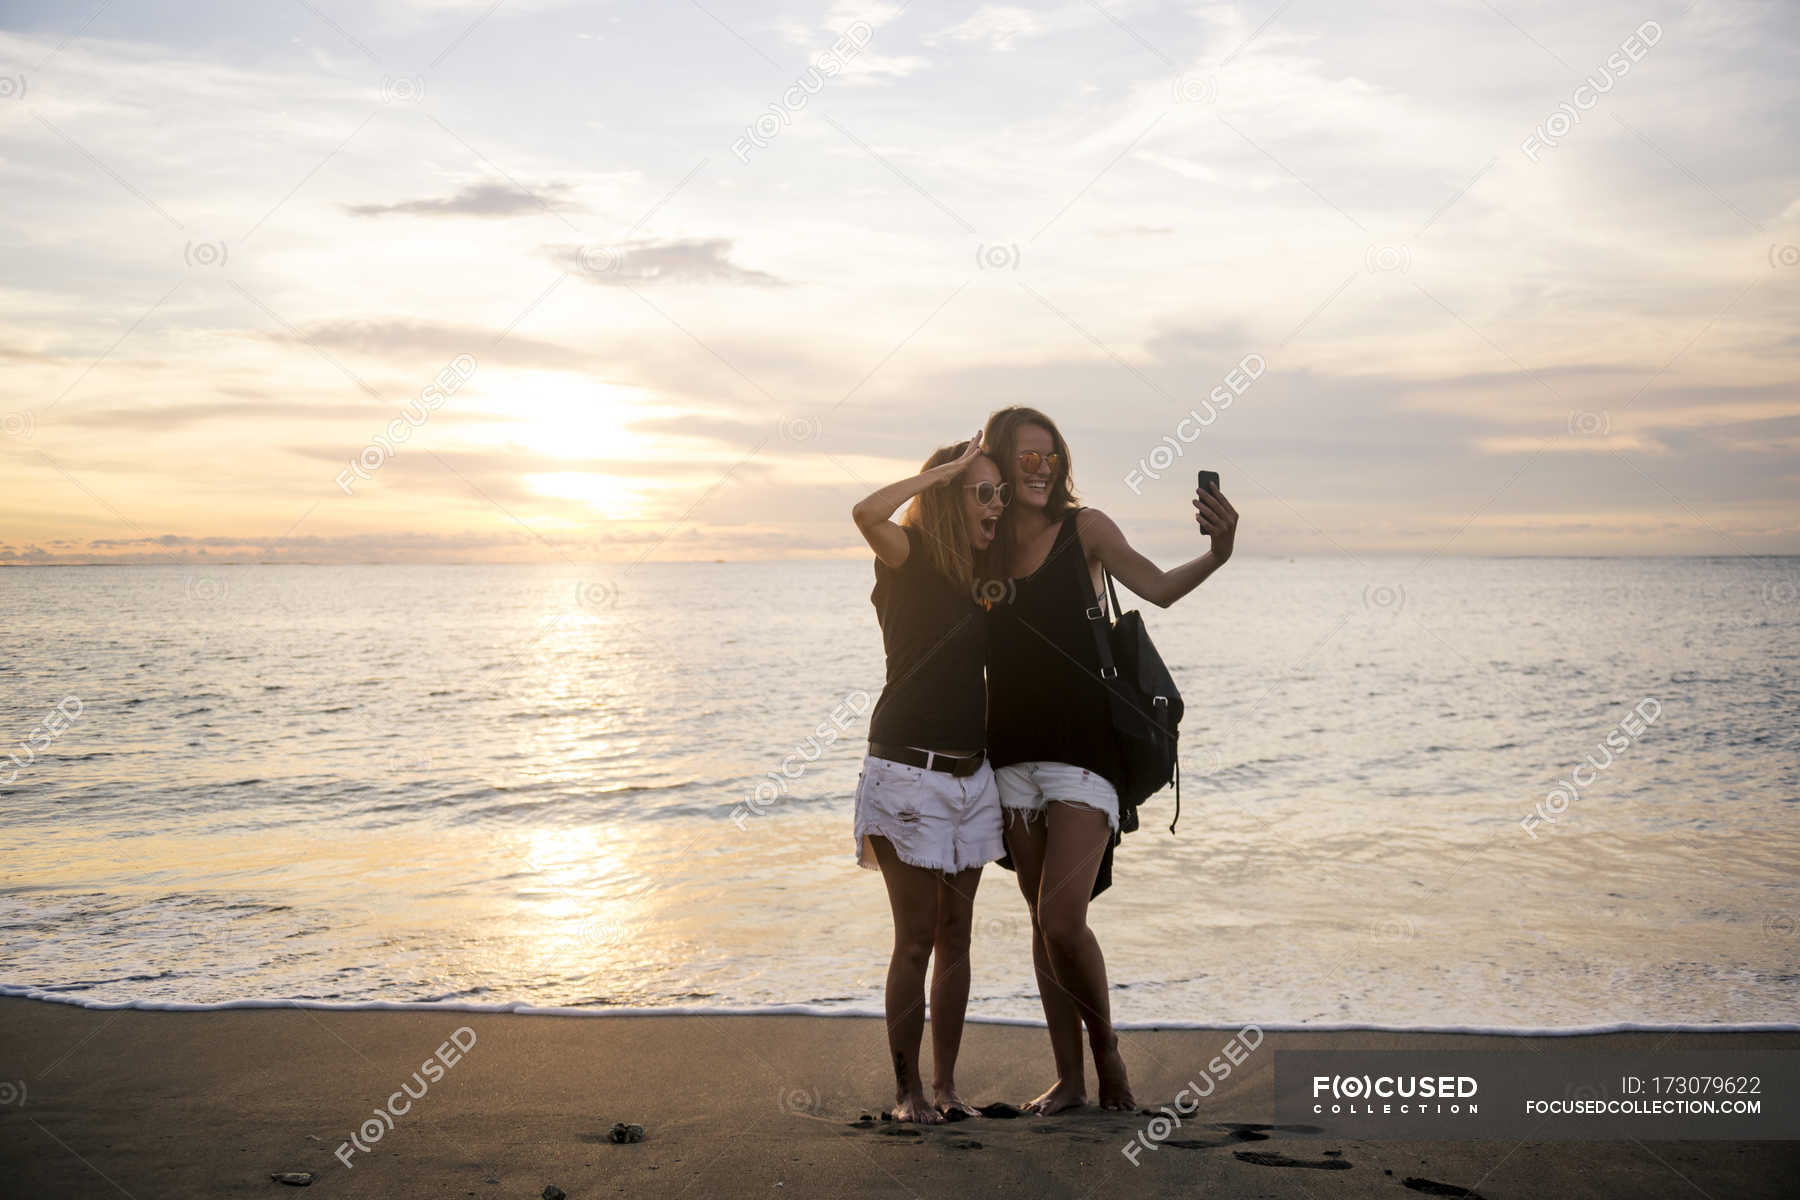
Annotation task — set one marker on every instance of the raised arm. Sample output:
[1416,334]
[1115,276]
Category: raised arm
[1107,545]
[874,513]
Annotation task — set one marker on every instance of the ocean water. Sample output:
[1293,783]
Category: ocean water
[604,788]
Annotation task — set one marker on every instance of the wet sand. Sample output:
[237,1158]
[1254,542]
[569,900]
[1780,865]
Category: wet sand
[155,1104]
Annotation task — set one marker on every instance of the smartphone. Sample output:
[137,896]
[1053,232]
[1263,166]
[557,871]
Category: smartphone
[1208,478]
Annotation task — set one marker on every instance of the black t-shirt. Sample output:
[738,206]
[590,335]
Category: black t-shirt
[936,640]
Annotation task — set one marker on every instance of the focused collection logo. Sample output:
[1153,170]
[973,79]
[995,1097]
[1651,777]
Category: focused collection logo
[1402,1095]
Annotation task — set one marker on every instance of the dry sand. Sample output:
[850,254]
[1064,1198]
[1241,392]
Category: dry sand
[155,1104]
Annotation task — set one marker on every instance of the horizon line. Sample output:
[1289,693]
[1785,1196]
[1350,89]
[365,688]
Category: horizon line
[817,559]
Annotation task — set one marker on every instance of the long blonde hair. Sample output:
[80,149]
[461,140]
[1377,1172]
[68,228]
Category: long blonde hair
[937,513]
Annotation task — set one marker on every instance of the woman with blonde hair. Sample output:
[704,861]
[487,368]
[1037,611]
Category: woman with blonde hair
[927,811]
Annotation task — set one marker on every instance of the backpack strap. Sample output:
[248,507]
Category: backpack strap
[1098,618]
[1177,793]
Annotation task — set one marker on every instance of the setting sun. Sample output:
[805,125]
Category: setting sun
[565,416]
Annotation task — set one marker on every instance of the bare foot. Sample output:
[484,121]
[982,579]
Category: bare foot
[1064,1095]
[915,1109]
[1115,1089]
[952,1106]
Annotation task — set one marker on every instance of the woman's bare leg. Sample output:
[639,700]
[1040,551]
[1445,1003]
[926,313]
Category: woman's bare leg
[950,984]
[913,897]
[1075,843]
[1026,840]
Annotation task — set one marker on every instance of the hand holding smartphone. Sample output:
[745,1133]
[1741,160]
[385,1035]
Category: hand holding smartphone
[1208,485]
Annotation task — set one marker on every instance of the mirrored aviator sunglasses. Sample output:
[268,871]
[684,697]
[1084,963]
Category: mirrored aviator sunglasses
[986,490]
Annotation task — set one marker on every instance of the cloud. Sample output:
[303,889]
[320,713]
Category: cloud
[615,546]
[706,427]
[701,260]
[1184,167]
[1185,343]
[1137,231]
[867,66]
[1554,443]
[395,546]
[503,466]
[874,13]
[533,486]
[997,26]
[383,338]
[166,540]
[477,200]
[1574,372]
[177,416]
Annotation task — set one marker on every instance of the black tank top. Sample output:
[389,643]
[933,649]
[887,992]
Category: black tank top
[936,642]
[1045,699]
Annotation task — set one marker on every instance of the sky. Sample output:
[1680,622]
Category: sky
[527,281]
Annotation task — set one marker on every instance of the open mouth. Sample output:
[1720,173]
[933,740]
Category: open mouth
[1037,485]
[988,526]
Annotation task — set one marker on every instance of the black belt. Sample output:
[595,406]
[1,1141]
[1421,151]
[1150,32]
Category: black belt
[929,759]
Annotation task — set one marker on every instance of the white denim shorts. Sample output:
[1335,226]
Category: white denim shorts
[1030,787]
[933,819]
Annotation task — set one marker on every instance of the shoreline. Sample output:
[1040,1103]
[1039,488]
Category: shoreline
[521,1008]
[150,1103]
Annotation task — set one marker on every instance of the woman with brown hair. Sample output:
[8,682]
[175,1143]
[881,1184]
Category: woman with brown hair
[927,811]
[1050,729]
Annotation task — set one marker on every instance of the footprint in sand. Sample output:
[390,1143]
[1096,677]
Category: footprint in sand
[1264,1158]
[1000,1110]
[1236,1134]
[1260,1133]
[1432,1187]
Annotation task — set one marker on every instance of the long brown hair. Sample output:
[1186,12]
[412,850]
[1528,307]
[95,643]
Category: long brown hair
[1000,441]
[937,513]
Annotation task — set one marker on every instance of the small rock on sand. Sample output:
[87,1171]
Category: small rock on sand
[292,1178]
[552,1192]
[622,1133]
